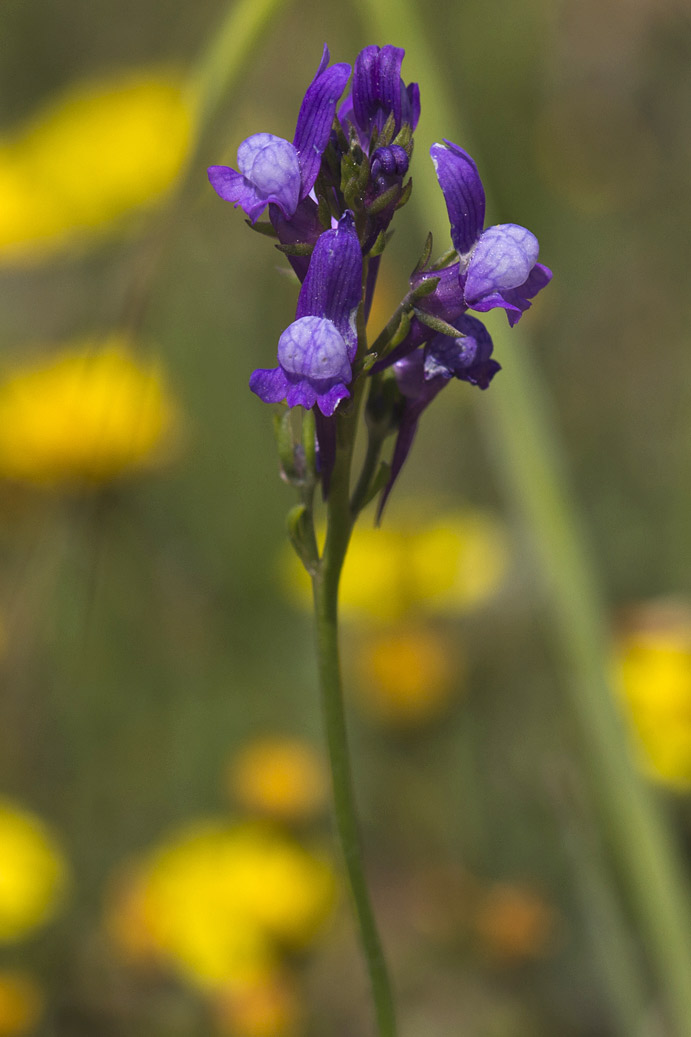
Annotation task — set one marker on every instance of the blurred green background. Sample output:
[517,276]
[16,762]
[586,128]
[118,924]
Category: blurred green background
[148,635]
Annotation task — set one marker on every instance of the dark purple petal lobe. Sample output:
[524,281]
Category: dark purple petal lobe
[234,187]
[377,87]
[271,386]
[315,118]
[463,193]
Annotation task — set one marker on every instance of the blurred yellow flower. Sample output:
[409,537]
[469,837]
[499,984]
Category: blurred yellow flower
[514,922]
[220,901]
[84,416]
[91,155]
[654,664]
[21,1004]
[407,675]
[267,1007]
[279,776]
[33,873]
[447,566]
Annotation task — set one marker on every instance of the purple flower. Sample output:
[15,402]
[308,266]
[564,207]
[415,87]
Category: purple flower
[378,91]
[316,351]
[497,266]
[271,169]
[422,374]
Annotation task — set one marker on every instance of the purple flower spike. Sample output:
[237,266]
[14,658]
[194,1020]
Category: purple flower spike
[271,169]
[498,266]
[316,351]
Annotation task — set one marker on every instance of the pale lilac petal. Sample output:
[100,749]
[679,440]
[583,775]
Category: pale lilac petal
[463,193]
[316,117]
[313,347]
[270,385]
[503,259]
[333,285]
[272,166]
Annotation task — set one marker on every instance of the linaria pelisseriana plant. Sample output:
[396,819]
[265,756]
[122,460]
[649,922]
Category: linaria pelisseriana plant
[332,195]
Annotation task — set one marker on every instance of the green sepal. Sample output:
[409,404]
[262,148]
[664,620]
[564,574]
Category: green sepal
[363,173]
[405,194]
[404,138]
[449,257]
[383,201]
[262,227]
[300,533]
[382,240]
[425,257]
[324,213]
[298,248]
[378,483]
[425,287]
[386,135]
[401,331]
[285,441]
[309,443]
[437,324]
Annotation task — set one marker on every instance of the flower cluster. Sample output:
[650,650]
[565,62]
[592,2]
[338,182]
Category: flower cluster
[331,196]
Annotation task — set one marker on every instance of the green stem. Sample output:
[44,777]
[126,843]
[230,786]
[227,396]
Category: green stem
[644,852]
[325,585]
[369,469]
[384,337]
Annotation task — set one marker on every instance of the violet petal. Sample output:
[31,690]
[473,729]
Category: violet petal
[316,117]
[463,193]
[270,385]
[377,87]
[234,187]
[333,285]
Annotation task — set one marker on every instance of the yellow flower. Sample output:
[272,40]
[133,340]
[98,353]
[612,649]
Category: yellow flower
[21,1004]
[90,156]
[84,416]
[278,776]
[33,873]
[408,675]
[267,1007]
[448,566]
[219,901]
[654,665]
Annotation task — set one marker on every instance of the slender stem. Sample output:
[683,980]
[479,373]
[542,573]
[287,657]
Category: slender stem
[369,468]
[643,850]
[384,337]
[325,588]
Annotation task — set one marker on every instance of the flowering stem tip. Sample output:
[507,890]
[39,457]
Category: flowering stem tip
[331,195]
